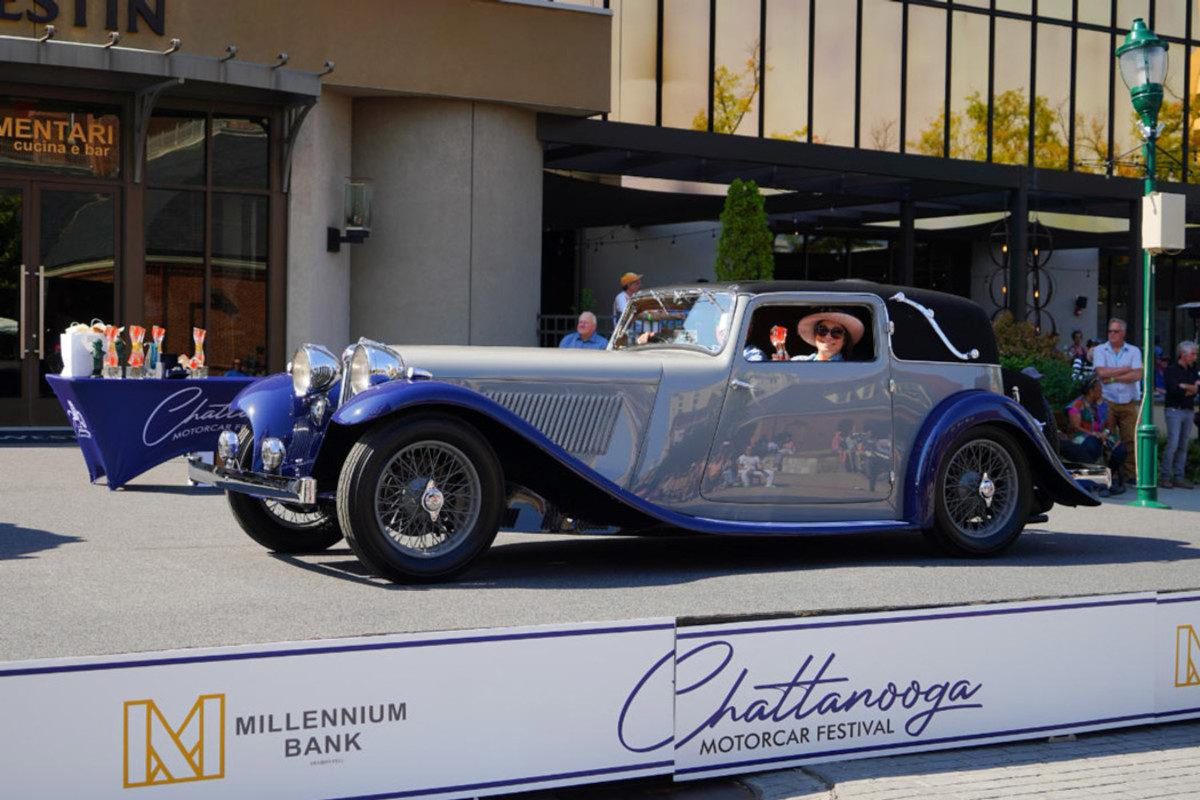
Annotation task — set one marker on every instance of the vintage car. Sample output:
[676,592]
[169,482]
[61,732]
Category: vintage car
[710,412]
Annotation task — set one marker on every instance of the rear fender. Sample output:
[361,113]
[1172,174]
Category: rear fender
[962,411]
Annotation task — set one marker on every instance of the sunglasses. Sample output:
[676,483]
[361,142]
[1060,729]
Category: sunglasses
[836,333]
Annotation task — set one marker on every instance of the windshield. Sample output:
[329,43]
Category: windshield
[692,318]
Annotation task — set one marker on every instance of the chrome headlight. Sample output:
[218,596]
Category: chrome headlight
[273,452]
[373,363]
[313,368]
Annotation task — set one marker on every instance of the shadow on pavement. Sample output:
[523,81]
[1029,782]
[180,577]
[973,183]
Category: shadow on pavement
[169,489]
[606,562]
[17,542]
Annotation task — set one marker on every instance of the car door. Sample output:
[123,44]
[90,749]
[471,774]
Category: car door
[805,432]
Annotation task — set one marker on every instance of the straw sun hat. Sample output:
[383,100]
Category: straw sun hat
[854,327]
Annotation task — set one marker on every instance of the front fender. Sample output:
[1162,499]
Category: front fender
[964,410]
[270,405]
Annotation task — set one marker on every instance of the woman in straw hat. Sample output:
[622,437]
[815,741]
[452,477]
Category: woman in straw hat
[832,333]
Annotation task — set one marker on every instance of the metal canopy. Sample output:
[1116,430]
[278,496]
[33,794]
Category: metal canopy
[823,186]
[94,66]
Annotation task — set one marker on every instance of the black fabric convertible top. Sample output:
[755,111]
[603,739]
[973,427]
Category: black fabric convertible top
[964,322]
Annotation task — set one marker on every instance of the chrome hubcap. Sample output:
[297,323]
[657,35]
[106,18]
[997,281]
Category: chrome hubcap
[980,488]
[987,490]
[428,499]
[432,501]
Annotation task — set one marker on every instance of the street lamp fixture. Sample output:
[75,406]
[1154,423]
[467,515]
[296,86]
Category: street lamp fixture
[1143,62]
[356,215]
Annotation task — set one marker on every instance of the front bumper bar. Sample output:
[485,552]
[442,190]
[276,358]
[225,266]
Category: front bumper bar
[302,491]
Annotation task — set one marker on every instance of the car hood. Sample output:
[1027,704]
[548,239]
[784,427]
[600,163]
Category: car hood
[467,362]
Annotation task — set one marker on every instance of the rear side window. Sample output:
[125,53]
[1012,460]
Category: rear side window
[811,332]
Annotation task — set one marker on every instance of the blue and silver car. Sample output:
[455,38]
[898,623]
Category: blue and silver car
[718,408]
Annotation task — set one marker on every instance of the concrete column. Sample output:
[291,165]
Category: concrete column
[318,282]
[454,255]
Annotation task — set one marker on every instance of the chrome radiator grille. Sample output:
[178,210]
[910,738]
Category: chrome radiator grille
[581,424]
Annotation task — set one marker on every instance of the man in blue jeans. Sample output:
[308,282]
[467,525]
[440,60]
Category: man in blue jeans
[1181,381]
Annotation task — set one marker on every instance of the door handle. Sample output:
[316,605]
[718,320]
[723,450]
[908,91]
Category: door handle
[737,384]
[22,331]
[41,340]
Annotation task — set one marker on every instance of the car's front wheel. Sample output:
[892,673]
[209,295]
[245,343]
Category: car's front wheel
[281,527]
[420,499]
[982,494]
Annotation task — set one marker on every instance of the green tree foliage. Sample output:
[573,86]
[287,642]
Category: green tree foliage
[745,250]
[1010,131]
[733,95]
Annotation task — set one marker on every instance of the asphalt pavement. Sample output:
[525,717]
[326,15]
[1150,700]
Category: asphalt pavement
[160,565]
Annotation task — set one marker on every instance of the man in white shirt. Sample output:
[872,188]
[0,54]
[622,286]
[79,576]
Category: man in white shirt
[1119,367]
[631,282]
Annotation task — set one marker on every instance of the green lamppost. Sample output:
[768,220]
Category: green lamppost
[1143,61]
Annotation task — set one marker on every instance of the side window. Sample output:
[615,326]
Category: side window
[807,332]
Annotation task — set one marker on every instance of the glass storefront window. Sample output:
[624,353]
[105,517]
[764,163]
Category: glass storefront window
[241,152]
[1010,118]
[1091,102]
[175,150]
[685,64]
[237,317]
[969,87]
[174,283]
[833,89]
[786,92]
[1051,115]
[926,80]
[66,138]
[10,303]
[880,111]
[636,24]
[735,81]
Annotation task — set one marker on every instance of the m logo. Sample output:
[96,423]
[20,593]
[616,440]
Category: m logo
[1187,656]
[157,753]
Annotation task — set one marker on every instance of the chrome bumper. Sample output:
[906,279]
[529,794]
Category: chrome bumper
[1091,472]
[302,491]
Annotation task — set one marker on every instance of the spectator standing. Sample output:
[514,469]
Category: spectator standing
[1081,368]
[1076,349]
[585,336]
[631,282]
[1119,366]
[1181,381]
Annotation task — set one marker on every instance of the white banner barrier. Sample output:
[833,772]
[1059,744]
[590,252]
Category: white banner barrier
[436,715]
[476,713]
[768,695]
[1177,662]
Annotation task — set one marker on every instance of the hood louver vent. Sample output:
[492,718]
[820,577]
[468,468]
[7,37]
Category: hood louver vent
[580,424]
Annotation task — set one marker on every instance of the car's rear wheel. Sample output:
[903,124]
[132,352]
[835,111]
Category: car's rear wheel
[982,494]
[281,527]
[420,499]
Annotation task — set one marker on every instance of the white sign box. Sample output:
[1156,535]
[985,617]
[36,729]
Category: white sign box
[767,695]
[1177,663]
[442,715]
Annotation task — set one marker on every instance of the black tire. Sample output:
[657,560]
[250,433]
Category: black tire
[965,524]
[397,471]
[280,527]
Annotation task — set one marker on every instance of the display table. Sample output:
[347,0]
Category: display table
[125,427]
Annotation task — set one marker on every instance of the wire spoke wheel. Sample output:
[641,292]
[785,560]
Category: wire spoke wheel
[290,516]
[428,498]
[980,488]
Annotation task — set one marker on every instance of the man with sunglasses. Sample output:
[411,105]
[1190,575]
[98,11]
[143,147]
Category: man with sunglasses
[1118,365]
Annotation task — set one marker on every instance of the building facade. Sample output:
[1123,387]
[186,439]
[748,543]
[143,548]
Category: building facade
[183,163]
